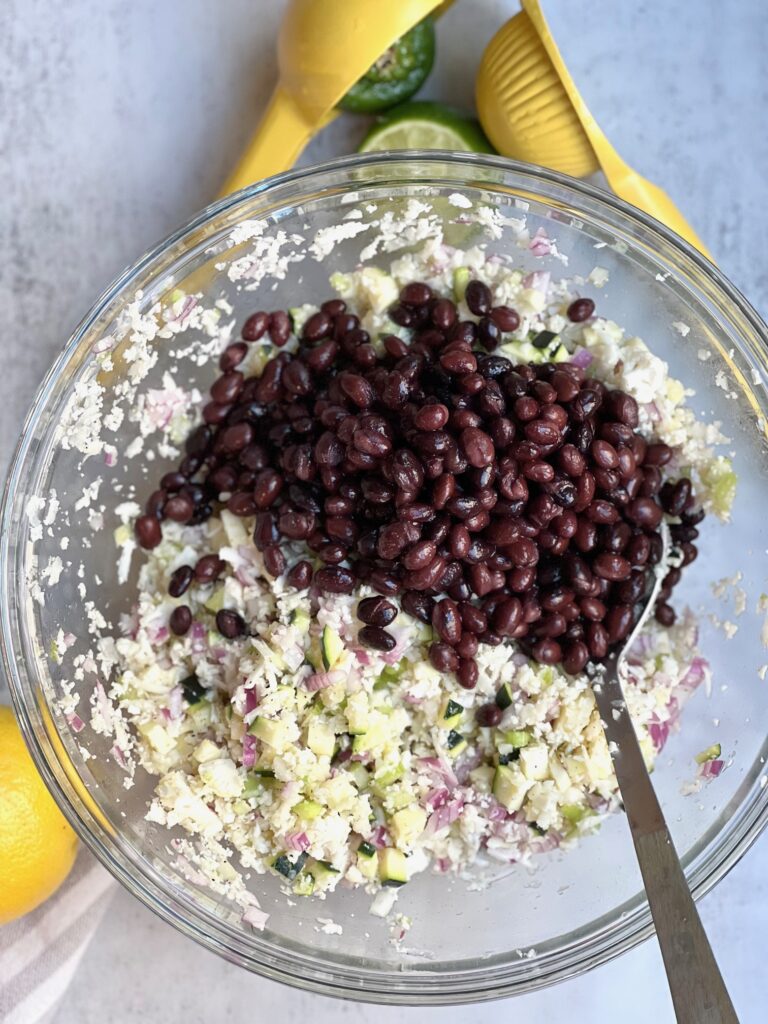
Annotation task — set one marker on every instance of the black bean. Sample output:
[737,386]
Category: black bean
[180,620]
[229,623]
[180,580]
[378,639]
[300,575]
[255,326]
[376,611]
[478,297]
[148,531]
[335,580]
[581,310]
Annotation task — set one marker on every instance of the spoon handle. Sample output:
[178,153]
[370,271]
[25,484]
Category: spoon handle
[698,991]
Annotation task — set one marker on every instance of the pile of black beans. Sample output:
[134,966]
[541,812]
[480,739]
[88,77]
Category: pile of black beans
[487,499]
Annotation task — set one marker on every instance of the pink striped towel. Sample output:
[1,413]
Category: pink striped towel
[40,953]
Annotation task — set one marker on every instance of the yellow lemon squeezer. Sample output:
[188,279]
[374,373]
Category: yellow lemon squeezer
[531,110]
[323,48]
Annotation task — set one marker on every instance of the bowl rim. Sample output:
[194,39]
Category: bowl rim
[483,981]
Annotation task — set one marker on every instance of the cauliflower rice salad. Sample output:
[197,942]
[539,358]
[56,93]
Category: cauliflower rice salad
[330,762]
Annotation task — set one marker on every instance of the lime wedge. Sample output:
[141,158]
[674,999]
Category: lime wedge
[426,125]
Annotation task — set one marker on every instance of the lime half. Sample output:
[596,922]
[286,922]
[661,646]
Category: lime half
[426,125]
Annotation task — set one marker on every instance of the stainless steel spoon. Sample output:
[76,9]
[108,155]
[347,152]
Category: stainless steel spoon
[698,992]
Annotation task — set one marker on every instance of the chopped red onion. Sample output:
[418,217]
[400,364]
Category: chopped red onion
[255,917]
[249,751]
[538,280]
[251,700]
[119,756]
[444,816]
[319,680]
[298,841]
[582,357]
[443,772]
[540,244]
[379,837]
[711,769]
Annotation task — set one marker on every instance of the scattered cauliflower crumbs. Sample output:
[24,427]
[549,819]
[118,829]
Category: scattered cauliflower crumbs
[682,328]
[457,199]
[598,276]
[329,926]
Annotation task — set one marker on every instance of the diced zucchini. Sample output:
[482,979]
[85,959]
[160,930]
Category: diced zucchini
[304,885]
[206,750]
[158,737]
[323,873]
[367,866]
[300,619]
[374,738]
[199,715]
[513,755]
[390,674]
[524,352]
[356,713]
[386,776]
[252,786]
[407,825]
[510,787]
[216,601]
[516,738]
[573,813]
[534,761]
[359,775]
[542,339]
[393,867]
[308,810]
[289,868]
[721,480]
[455,743]
[504,696]
[450,713]
[560,355]
[332,648]
[710,754]
[270,731]
[366,849]
[193,689]
[321,738]
[461,278]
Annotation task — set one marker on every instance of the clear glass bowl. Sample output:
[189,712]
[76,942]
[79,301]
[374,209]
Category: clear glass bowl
[527,930]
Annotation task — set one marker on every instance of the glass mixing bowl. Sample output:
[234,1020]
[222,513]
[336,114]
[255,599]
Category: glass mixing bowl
[527,930]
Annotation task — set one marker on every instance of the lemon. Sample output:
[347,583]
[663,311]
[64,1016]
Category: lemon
[37,846]
[423,124]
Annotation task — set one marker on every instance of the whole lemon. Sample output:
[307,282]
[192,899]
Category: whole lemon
[37,845]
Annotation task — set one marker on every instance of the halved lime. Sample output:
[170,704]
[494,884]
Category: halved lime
[423,124]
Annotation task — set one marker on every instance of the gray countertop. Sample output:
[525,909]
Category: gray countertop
[120,118]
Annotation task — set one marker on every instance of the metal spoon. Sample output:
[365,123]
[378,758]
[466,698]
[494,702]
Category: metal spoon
[698,991]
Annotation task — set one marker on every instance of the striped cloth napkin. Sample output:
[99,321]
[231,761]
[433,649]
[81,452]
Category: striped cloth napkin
[40,952]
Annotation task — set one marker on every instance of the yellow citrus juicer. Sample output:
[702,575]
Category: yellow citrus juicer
[323,48]
[531,110]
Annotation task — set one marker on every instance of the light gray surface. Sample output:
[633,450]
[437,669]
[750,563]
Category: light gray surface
[119,119]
